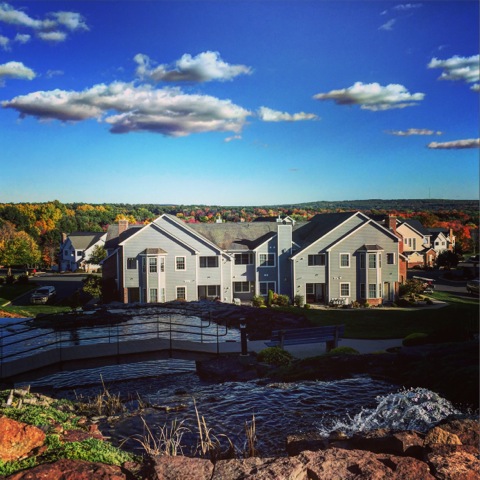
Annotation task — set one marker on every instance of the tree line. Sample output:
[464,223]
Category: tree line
[30,233]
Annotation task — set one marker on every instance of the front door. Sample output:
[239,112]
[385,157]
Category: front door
[315,292]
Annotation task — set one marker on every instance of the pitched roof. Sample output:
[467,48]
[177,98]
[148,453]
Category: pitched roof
[113,239]
[84,240]
[416,225]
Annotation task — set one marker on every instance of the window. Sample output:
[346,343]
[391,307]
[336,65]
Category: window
[180,263]
[213,290]
[267,260]
[372,260]
[379,290]
[208,262]
[152,263]
[79,253]
[362,260]
[372,290]
[131,263]
[241,287]
[162,264]
[243,259]
[362,290]
[344,289]
[181,293]
[153,295]
[390,259]
[414,243]
[317,260]
[265,287]
[344,260]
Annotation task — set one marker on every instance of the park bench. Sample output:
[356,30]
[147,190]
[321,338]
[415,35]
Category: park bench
[330,334]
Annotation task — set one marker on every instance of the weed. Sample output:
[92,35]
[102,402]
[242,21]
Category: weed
[250,432]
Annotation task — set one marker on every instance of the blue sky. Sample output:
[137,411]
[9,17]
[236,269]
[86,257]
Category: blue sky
[238,102]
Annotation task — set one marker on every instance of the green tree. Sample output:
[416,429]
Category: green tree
[98,254]
[447,259]
[17,248]
[92,285]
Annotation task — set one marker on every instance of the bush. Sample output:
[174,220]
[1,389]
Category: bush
[10,279]
[23,279]
[275,356]
[270,298]
[415,339]
[299,300]
[343,351]
[281,300]
[2,280]
[258,301]
[307,306]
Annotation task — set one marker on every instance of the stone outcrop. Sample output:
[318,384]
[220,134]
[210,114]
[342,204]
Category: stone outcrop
[18,440]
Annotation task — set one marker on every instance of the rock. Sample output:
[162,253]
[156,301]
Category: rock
[466,429]
[438,436]
[339,464]
[296,444]
[73,470]
[452,462]
[395,443]
[179,468]
[18,439]
[260,469]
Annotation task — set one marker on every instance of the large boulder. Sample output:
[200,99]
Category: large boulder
[179,468]
[18,439]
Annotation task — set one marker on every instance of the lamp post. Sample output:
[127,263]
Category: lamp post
[243,336]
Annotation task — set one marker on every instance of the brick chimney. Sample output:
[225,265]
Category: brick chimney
[392,223]
[122,226]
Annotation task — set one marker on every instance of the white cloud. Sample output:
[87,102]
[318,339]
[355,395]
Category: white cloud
[414,131]
[22,38]
[204,67]
[475,87]
[53,73]
[456,68]
[4,42]
[16,70]
[407,6]
[372,96]
[55,36]
[49,28]
[387,26]
[129,108]
[456,144]
[233,137]
[268,115]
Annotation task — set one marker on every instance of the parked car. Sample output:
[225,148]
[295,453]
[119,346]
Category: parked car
[473,286]
[43,295]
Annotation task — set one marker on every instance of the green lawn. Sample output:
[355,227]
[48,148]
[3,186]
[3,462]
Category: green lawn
[460,313]
[10,292]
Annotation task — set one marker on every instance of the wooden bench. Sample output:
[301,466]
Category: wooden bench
[297,336]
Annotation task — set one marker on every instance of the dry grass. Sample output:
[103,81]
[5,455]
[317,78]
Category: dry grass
[251,435]
[104,403]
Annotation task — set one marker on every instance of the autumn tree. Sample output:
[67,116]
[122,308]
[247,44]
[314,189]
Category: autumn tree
[98,255]
[17,248]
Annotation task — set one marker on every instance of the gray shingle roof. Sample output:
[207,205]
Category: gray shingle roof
[84,240]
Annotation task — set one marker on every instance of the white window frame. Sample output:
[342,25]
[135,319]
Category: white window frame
[340,289]
[374,285]
[152,264]
[241,289]
[184,263]
[391,256]
[184,297]
[340,260]
[153,293]
[240,257]
[375,260]
[313,256]
[266,262]
[205,260]
[268,285]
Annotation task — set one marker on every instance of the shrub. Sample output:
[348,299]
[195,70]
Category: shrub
[258,301]
[270,298]
[23,279]
[275,356]
[415,339]
[299,300]
[411,287]
[307,306]
[343,351]
[281,300]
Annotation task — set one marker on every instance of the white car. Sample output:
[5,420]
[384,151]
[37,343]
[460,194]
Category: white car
[43,295]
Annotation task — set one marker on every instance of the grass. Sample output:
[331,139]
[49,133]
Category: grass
[385,323]
[8,292]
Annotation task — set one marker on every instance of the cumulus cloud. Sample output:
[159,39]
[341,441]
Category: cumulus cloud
[387,26]
[128,108]
[373,96]
[456,144]
[51,28]
[22,38]
[268,115]
[413,131]
[475,87]
[457,68]
[16,70]
[204,67]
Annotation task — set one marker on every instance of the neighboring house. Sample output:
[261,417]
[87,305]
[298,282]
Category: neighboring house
[416,243]
[442,239]
[77,248]
[344,256]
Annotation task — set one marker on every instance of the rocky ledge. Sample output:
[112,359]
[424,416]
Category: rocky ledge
[448,451]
